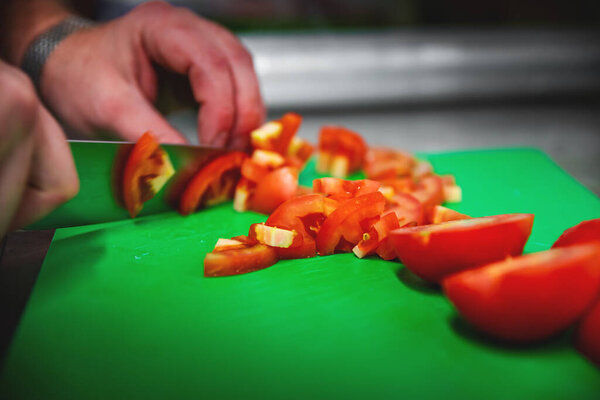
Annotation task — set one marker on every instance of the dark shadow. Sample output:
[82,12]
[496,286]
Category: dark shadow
[464,329]
[413,282]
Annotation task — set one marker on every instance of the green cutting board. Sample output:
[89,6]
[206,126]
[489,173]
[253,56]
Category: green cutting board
[122,310]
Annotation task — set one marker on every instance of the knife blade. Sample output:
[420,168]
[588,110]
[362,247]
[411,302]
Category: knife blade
[100,166]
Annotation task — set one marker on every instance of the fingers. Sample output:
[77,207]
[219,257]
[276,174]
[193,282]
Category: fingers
[131,114]
[219,68]
[52,178]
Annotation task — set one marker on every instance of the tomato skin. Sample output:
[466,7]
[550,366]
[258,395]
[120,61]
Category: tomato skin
[584,232]
[435,251]
[273,189]
[209,177]
[252,257]
[340,143]
[587,337]
[335,225]
[146,164]
[528,298]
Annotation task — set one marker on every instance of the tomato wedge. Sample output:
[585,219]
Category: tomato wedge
[376,235]
[273,189]
[531,297]
[443,214]
[387,164]
[346,219]
[341,151]
[147,170]
[251,256]
[587,337]
[435,251]
[213,183]
[584,232]
[407,208]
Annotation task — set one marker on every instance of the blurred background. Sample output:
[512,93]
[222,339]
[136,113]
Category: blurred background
[424,75]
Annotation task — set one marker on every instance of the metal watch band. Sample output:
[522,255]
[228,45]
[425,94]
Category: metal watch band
[42,46]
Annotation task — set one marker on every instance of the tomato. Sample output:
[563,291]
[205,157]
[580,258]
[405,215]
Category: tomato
[376,235]
[584,232]
[276,135]
[147,170]
[452,192]
[443,214]
[587,337]
[430,192]
[253,171]
[272,236]
[299,152]
[346,220]
[399,185]
[407,208]
[267,159]
[531,297]
[435,251]
[213,183]
[343,189]
[386,250]
[341,151]
[304,215]
[251,256]
[387,164]
[273,189]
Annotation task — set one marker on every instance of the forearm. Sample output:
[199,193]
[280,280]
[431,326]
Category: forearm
[23,20]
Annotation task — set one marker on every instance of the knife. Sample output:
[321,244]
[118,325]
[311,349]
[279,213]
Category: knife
[100,166]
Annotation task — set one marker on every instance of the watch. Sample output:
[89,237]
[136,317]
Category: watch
[43,45]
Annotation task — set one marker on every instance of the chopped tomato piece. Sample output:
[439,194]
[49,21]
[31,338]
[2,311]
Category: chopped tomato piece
[272,236]
[343,189]
[306,249]
[250,257]
[341,151]
[584,232]
[443,214]
[253,171]
[213,183]
[400,185]
[421,169]
[147,170]
[429,192]
[588,332]
[299,152]
[435,251]
[276,135]
[267,159]
[407,208]
[528,298]
[273,189]
[386,250]
[376,235]
[346,220]
[387,164]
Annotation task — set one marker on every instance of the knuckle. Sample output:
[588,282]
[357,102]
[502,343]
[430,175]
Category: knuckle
[242,56]
[21,97]
[154,8]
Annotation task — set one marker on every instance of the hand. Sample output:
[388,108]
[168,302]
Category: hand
[36,167]
[103,77]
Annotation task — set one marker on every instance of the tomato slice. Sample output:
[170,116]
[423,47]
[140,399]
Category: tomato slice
[584,232]
[587,337]
[346,220]
[147,170]
[435,251]
[213,183]
[387,164]
[407,208]
[443,214]
[376,235]
[341,151]
[273,189]
[430,192]
[251,257]
[528,298]
[272,236]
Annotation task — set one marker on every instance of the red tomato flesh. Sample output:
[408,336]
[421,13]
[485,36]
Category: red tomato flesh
[584,232]
[443,214]
[251,257]
[587,337]
[273,189]
[531,297]
[435,251]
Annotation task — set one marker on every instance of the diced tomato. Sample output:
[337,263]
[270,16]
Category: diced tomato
[387,164]
[272,236]
[443,214]
[429,192]
[344,189]
[276,135]
[376,235]
[435,251]
[299,152]
[346,220]
[400,185]
[587,337]
[273,189]
[213,183]
[268,159]
[250,257]
[341,151]
[302,190]
[253,171]
[407,208]
[421,169]
[528,298]
[584,232]
[147,170]
[306,249]
[386,250]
